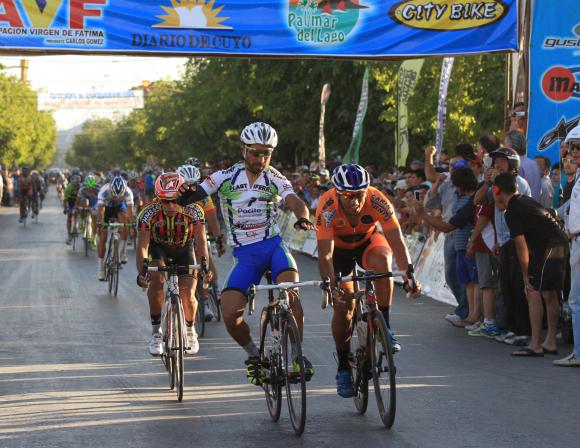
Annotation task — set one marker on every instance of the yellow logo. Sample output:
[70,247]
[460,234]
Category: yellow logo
[192,14]
[445,15]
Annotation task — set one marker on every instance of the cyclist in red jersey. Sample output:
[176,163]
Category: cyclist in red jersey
[167,231]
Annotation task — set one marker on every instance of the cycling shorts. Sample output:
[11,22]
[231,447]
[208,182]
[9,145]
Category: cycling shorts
[178,255]
[111,211]
[344,260]
[252,260]
[70,204]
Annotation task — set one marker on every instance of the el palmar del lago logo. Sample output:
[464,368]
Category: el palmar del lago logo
[323,22]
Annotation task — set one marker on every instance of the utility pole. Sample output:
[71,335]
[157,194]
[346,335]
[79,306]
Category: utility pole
[23,70]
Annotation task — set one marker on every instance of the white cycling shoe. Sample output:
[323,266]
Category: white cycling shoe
[101,273]
[156,345]
[192,342]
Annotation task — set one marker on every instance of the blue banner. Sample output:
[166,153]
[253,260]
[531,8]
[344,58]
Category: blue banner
[554,75]
[347,28]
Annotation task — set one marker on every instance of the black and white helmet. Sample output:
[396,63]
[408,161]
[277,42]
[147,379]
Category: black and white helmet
[259,134]
[118,187]
[190,173]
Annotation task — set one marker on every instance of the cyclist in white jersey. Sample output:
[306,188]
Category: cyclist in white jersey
[248,193]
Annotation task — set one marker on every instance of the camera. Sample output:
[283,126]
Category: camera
[487,161]
[416,193]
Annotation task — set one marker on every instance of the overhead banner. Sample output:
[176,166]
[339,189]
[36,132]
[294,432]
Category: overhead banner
[348,28]
[446,68]
[352,155]
[131,99]
[406,82]
[554,107]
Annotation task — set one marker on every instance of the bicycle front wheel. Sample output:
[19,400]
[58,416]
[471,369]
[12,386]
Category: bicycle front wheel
[383,370]
[199,315]
[295,374]
[116,264]
[271,359]
[177,349]
[214,301]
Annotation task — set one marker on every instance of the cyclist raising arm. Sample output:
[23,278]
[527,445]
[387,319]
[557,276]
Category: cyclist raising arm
[248,192]
[167,231]
[346,229]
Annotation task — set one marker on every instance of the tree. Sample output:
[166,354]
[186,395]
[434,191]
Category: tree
[27,136]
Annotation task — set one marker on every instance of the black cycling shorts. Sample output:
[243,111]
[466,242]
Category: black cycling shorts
[343,260]
[112,211]
[547,268]
[179,255]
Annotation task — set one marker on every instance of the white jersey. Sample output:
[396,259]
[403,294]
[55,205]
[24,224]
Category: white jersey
[250,212]
[107,200]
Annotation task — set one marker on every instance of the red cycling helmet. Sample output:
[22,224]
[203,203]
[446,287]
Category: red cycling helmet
[167,185]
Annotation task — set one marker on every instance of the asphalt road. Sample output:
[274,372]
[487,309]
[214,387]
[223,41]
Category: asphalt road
[75,371]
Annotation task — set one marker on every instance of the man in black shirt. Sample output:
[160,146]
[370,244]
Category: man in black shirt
[542,248]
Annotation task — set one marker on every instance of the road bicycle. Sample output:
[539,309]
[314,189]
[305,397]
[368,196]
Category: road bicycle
[281,351]
[113,256]
[173,323]
[75,229]
[85,224]
[374,356]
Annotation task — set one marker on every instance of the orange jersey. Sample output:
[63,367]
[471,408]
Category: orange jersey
[332,222]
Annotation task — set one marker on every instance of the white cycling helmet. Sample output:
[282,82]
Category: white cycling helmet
[190,173]
[259,134]
[118,187]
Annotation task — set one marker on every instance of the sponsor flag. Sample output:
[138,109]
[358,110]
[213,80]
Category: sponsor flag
[406,82]
[446,68]
[352,155]
[554,100]
[321,144]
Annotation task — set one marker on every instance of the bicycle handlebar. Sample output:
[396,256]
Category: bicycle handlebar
[115,224]
[174,268]
[324,285]
[368,275]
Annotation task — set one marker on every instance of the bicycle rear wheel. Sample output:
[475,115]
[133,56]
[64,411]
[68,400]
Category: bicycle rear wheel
[295,374]
[199,315]
[383,370]
[177,349]
[214,301]
[270,357]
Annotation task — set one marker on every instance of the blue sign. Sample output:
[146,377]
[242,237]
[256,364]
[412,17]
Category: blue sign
[344,28]
[554,76]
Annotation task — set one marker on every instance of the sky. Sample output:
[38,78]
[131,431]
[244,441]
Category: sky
[85,74]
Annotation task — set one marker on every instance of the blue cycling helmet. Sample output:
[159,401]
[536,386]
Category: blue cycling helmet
[350,177]
[118,187]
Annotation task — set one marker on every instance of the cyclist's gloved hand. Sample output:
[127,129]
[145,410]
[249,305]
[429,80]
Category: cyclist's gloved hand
[220,245]
[143,280]
[184,189]
[303,224]
[411,286]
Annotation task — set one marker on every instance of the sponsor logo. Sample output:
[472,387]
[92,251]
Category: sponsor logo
[329,217]
[558,133]
[328,203]
[563,42]
[443,15]
[324,22]
[41,19]
[340,223]
[249,211]
[561,83]
[367,219]
[192,15]
[238,187]
[381,206]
